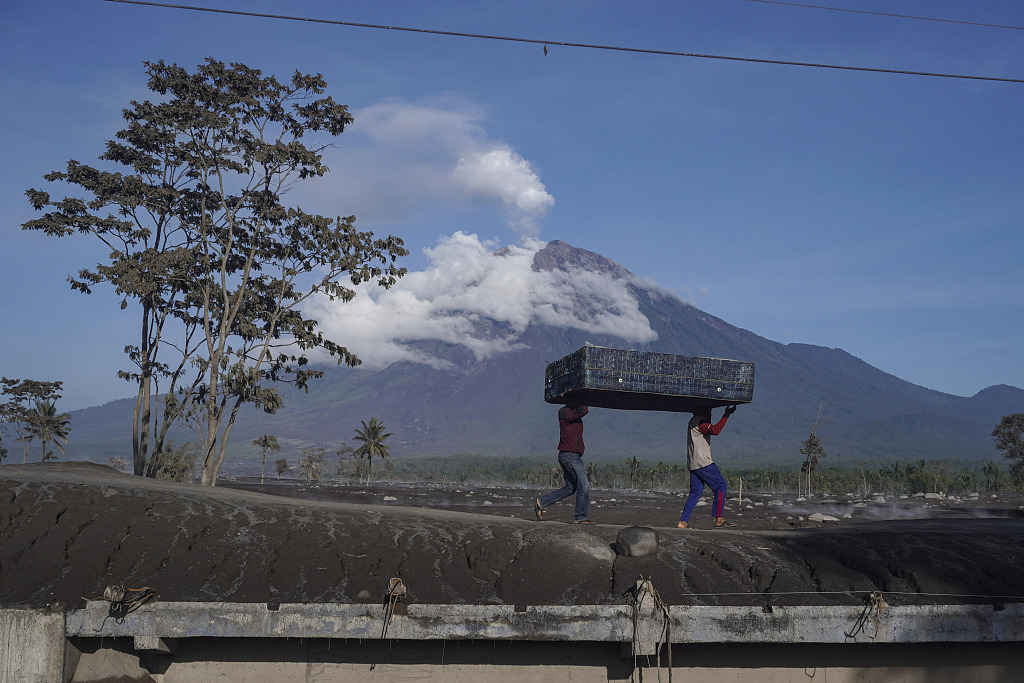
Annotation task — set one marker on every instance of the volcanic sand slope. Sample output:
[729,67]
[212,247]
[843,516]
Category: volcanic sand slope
[68,530]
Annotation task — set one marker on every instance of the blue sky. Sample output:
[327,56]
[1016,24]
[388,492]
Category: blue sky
[878,213]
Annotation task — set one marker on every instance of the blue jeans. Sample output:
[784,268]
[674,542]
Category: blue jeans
[575,481]
[711,476]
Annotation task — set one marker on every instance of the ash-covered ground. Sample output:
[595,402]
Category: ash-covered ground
[68,530]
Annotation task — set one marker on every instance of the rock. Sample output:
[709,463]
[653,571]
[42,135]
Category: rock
[932,495]
[636,541]
[818,517]
[847,516]
[878,499]
[389,499]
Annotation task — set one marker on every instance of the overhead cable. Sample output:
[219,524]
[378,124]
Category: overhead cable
[547,43]
[888,14]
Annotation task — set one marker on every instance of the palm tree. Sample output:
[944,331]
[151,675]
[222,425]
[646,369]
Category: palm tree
[267,442]
[372,437]
[47,426]
[991,471]
[635,471]
[659,473]
[897,477]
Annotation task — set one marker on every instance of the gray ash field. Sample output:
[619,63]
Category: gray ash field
[68,530]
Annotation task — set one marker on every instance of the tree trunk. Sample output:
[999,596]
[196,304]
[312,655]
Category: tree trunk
[143,413]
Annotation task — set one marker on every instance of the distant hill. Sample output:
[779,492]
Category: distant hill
[495,406]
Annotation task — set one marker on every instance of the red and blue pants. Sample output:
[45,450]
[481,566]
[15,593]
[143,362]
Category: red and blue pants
[711,477]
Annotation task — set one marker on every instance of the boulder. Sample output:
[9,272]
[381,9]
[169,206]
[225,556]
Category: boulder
[636,541]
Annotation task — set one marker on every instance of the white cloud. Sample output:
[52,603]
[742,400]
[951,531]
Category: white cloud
[402,158]
[503,174]
[466,284]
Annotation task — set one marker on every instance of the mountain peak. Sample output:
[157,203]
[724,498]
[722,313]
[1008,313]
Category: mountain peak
[1002,394]
[559,255]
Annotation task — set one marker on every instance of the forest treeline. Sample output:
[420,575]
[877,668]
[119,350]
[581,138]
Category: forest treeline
[921,476]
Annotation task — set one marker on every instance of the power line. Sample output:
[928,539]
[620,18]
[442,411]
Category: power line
[887,14]
[568,44]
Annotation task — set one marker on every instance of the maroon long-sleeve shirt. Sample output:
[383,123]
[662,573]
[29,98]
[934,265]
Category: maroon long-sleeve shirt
[570,429]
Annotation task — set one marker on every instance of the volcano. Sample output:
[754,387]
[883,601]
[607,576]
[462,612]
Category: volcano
[465,403]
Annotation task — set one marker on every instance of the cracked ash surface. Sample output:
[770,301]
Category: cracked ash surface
[68,530]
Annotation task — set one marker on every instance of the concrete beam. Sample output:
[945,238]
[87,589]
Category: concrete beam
[167,646]
[32,646]
[601,623]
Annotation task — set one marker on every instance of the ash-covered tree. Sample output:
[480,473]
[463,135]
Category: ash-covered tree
[1009,438]
[201,239]
[281,466]
[22,410]
[312,462]
[178,464]
[812,450]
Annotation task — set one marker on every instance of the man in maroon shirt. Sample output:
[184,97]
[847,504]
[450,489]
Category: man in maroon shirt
[570,457]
